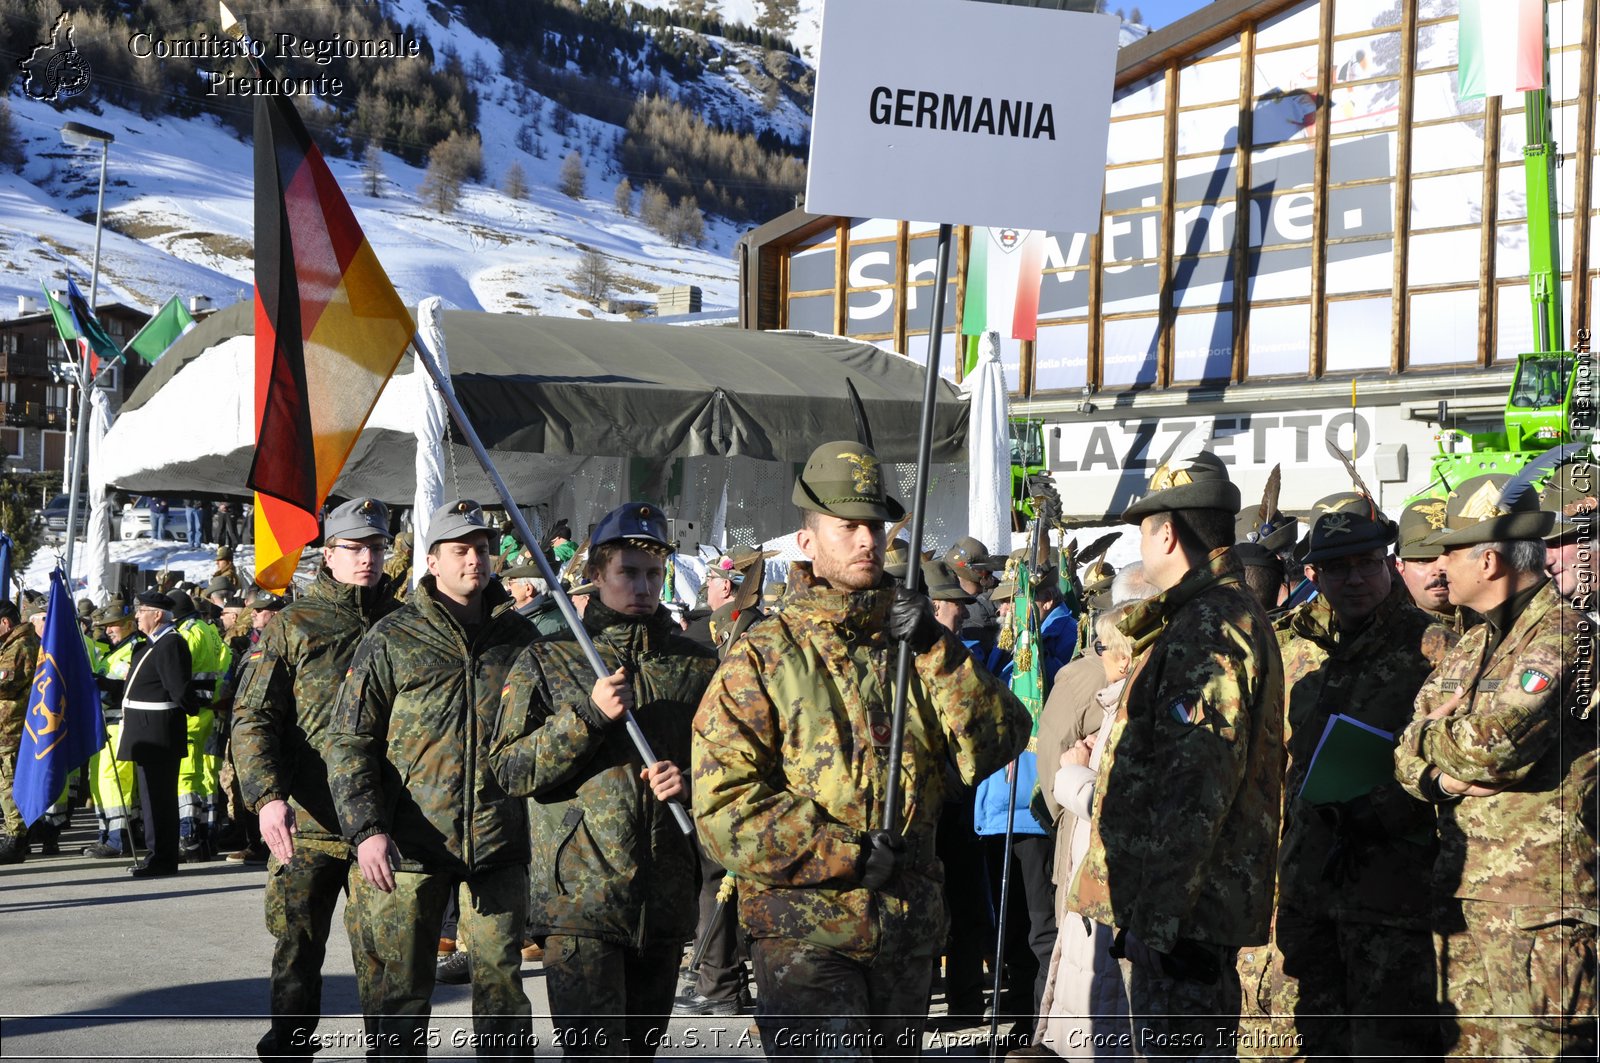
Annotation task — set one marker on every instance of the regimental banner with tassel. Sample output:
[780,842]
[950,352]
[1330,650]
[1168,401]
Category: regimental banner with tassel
[330,331]
[1022,634]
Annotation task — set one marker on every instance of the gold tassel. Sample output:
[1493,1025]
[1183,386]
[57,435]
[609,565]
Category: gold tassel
[1007,639]
[725,891]
[1025,657]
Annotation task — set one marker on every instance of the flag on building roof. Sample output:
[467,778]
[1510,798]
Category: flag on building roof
[330,331]
[102,348]
[63,726]
[1501,46]
[161,331]
[1003,274]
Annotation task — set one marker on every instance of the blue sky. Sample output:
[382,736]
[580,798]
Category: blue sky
[1157,13]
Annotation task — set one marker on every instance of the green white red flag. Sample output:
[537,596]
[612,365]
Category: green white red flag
[1501,47]
[1003,274]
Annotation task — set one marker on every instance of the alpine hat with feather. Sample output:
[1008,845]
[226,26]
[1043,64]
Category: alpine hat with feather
[1489,509]
[1198,481]
[845,479]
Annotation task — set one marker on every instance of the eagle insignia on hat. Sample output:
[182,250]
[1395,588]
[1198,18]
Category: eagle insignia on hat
[1484,503]
[1166,477]
[1433,512]
[865,471]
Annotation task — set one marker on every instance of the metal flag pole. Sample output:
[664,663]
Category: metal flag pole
[913,580]
[568,613]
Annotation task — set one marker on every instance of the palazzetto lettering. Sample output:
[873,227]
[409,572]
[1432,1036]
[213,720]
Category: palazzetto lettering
[921,109]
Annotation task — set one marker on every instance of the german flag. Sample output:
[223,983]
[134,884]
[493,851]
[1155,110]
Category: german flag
[329,332]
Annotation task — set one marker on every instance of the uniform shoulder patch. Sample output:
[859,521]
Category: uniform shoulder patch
[1534,681]
[1185,712]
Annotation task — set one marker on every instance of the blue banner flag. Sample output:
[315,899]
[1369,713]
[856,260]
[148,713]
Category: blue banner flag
[5,567]
[63,726]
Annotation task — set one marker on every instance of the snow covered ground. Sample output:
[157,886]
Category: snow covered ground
[196,563]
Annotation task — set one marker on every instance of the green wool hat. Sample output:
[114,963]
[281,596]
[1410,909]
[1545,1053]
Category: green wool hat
[895,556]
[1418,522]
[1199,482]
[939,581]
[1347,523]
[845,479]
[1097,577]
[1277,534]
[1570,495]
[968,554]
[1475,513]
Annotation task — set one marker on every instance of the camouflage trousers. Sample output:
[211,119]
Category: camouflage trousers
[608,999]
[1181,1018]
[199,797]
[300,898]
[815,1003]
[1331,988]
[113,787]
[399,933]
[8,806]
[1518,982]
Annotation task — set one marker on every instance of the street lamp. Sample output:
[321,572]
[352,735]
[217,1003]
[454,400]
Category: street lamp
[78,135]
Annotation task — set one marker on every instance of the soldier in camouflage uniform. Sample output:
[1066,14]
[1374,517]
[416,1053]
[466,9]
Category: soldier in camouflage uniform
[1418,563]
[790,743]
[613,887]
[1184,837]
[19,654]
[1504,745]
[280,732]
[409,767]
[1571,554]
[398,567]
[1352,969]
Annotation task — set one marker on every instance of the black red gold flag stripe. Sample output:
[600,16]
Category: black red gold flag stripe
[330,330]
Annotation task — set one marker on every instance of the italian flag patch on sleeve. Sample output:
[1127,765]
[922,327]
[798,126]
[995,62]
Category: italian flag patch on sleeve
[1534,681]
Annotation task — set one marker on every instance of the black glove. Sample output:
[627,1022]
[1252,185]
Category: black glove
[880,859]
[1189,960]
[911,620]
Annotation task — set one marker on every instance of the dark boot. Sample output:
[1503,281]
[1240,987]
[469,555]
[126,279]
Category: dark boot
[12,850]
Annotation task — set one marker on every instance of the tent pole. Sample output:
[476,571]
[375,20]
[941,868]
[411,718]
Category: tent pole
[913,580]
[568,612]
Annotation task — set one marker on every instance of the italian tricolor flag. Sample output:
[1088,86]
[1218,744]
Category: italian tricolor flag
[1003,276]
[1501,47]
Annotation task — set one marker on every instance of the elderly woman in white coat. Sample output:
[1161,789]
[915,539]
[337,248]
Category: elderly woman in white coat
[1085,1010]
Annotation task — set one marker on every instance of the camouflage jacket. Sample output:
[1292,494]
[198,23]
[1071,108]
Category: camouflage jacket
[1184,839]
[608,858]
[286,696]
[1533,843]
[408,744]
[19,655]
[790,764]
[1385,838]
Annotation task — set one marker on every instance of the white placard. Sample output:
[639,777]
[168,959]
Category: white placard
[963,112]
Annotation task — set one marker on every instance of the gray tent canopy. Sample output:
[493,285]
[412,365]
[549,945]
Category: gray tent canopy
[545,393]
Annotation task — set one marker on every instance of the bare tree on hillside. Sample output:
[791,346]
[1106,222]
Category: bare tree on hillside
[372,170]
[573,176]
[624,197]
[515,183]
[593,276]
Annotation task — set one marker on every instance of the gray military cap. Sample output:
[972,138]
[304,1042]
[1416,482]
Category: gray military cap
[359,518]
[455,520]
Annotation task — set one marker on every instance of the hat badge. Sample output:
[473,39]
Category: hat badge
[1335,524]
[1167,477]
[1433,513]
[864,471]
[1484,504]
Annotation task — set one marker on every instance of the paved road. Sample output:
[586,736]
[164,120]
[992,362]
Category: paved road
[95,965]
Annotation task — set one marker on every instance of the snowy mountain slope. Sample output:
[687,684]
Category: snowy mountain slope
[180,215]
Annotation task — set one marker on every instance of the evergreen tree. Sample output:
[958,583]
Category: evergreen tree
[516,182]
[624,197]
[573,176]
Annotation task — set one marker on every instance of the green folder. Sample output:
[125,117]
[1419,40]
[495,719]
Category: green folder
[1352,758]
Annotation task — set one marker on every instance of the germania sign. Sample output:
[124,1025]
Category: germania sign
[962,112]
